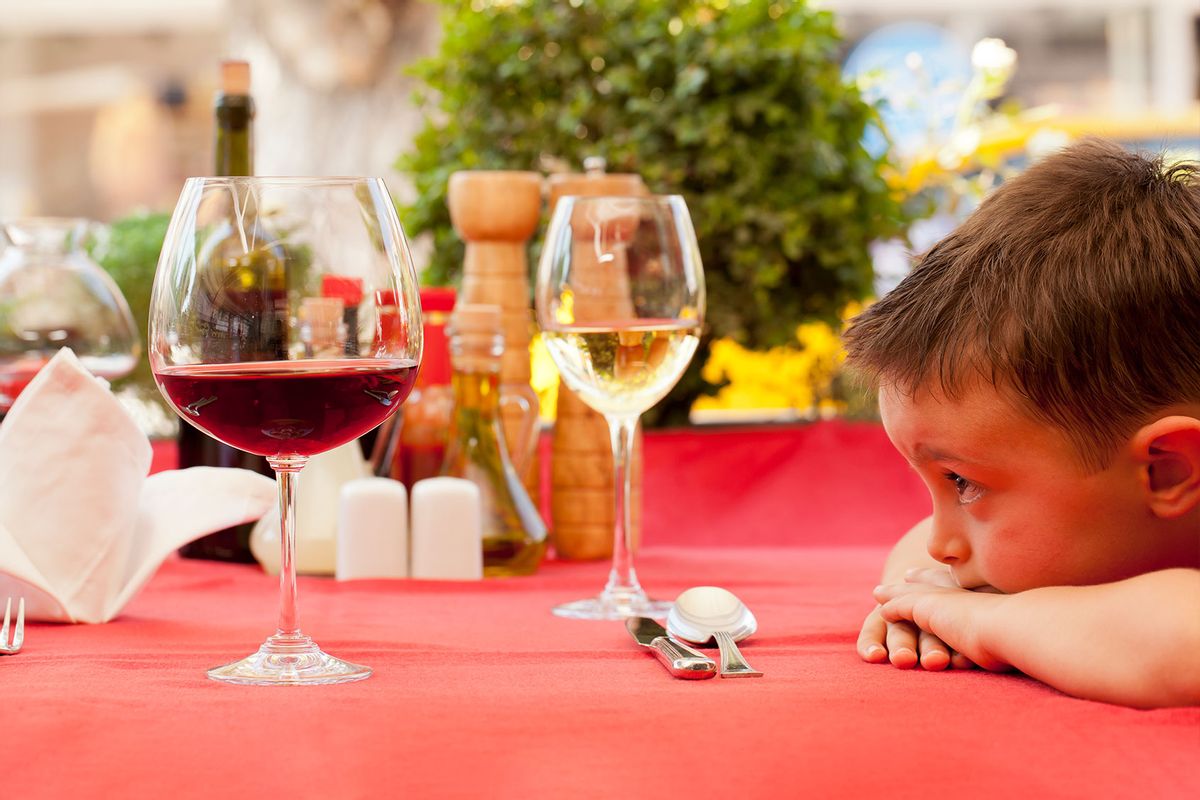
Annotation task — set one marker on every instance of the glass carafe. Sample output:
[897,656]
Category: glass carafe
[514,536]
[52,295]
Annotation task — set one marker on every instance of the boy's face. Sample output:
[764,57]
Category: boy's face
[1012,506]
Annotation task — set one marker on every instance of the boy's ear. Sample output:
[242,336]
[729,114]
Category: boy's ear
[1168,451]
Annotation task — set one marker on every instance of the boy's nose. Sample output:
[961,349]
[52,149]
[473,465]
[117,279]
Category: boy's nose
[947,543]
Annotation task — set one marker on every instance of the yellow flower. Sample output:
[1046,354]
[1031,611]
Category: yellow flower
[796,378]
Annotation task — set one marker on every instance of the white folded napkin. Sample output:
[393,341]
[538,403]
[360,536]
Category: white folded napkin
[81,526]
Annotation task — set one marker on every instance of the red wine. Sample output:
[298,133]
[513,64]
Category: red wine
[279,408]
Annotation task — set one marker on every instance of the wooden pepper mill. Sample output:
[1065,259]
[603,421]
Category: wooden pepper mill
[581,500]
[495,213]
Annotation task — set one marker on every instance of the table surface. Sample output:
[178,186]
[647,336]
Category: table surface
[479,691]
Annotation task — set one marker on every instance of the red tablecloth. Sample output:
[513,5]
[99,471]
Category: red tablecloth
[480,692]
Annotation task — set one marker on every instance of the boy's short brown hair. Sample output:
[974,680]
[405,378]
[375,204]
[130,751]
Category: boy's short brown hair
[1076,284]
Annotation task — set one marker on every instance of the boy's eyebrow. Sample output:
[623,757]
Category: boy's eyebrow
[923,453]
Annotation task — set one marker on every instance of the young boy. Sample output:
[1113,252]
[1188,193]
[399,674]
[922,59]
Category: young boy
[1040,369]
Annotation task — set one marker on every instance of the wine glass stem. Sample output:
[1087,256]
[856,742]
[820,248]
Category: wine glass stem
[622,579]
[287,472]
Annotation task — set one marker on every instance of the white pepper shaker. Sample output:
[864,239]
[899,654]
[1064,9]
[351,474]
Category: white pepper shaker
[372,536]
[447,530]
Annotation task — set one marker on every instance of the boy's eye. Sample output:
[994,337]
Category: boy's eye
[968,491]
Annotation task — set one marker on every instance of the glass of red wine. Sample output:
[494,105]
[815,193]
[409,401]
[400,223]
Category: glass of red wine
[285,321]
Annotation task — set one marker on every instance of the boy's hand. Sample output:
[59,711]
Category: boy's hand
[902,642]
[953,615]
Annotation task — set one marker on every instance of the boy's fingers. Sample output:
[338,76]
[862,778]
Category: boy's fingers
[872,637]
[902,644]
[959,661]
[885,592]
[936,576]
[934,653]
[898,609]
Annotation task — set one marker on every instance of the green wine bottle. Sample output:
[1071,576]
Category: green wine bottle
[249,283]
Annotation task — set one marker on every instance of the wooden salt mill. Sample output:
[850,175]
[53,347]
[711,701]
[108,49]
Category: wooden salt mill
[581,499]
[495,213]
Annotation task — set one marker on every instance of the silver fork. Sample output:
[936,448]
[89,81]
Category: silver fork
[11,649]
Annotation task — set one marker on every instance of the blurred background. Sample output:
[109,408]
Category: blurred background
[106,107]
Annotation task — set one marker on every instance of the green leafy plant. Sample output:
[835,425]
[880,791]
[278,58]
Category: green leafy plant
[128,251]
[738,106]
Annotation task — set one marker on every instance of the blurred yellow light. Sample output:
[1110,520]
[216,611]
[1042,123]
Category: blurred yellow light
[544,378]
[565,313]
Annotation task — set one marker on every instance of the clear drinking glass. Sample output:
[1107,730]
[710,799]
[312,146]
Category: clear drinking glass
[285,320]
[52,295]
[620,301]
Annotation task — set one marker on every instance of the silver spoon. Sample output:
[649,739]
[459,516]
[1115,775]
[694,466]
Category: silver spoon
[704,613]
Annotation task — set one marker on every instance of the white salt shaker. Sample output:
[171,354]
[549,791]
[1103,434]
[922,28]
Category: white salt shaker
[447,530]
[372,536]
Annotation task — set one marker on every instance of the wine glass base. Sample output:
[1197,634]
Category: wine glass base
[289,660]
[607,607]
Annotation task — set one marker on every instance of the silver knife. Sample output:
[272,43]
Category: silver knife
[679,659]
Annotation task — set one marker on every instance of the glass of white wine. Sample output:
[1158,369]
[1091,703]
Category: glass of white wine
[620,301]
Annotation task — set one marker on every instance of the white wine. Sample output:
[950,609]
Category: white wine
[622,370]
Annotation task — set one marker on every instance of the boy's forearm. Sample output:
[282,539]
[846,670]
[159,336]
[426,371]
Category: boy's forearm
[909,553]
[1135,642]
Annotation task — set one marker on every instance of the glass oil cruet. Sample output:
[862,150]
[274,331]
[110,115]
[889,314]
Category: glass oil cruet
[514,536]
[52,295]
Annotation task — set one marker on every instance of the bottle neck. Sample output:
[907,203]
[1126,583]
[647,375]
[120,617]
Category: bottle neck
[435,359]
[234,151]
[476,392]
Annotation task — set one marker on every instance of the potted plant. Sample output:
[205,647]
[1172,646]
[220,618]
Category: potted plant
[739,106]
